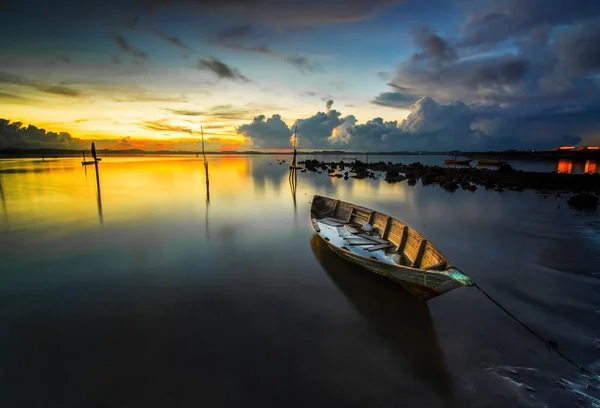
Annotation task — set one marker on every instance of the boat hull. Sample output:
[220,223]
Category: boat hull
[489,162]
[460,162]
[421,284]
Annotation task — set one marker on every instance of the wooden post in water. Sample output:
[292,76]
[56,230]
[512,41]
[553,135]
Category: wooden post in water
[293,166]
[97,182]
[205,169]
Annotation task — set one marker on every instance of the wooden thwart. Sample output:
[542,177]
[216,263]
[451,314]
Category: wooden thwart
[330,223]
[359,241]
[376,239]
[380,246]
[332,219]
[351,230]
[419,257]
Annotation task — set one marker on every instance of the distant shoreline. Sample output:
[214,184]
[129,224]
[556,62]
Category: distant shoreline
[504,155]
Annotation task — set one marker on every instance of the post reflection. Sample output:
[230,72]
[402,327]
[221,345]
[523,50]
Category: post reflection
[207,198]
[401,319]
[99,196]
[2,198]
[293,179]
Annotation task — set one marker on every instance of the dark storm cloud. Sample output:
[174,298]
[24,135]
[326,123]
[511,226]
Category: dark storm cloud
[176,41]
[432,46]
[140,96]
[58,90]
[184,112]
[14,135]
[62,90]
[315,131]
[284,12]
[498,21]
[302,63]
[235,32]
[271,133]
[329,104]
[540,91]
[221,69]
[432,126]
[394,100]
[163,126]
[236,37]
[383,75]
[126,47]
[579,50]
[218,112]
[12,97]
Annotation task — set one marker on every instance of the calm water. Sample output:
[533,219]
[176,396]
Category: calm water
[158,294]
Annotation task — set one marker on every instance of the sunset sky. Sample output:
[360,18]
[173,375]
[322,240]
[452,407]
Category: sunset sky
[374,75]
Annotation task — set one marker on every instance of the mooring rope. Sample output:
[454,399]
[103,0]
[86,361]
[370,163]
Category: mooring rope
[552,345]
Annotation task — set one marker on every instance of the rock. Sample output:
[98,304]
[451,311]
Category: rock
[472,187]
[339,175]
[557,195]
[505,168]
[498,189]
[330,171]
[450,185]
[412,181]
[428,178]
[489,185]
[392,176]
[303,171]
[583,202]
[346,177]
[345,173]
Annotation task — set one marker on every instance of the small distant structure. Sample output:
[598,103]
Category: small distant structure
[565,148]
[589,148]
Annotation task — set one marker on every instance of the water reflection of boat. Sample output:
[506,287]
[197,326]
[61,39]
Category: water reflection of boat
[386,246]
[465,162]
[403,321]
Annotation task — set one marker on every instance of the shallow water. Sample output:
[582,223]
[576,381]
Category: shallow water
[156,293]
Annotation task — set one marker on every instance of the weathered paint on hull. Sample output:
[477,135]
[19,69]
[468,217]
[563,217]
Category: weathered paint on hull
[423,285]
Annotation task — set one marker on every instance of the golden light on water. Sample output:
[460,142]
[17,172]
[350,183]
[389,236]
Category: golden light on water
[590,166]
[565,166]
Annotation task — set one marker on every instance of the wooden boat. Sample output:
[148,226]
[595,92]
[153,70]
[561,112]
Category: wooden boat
[391,248]
[490,162]
[465,162]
